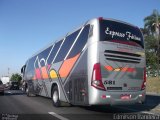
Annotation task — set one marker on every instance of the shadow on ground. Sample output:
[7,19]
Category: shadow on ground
[151,102]
[13,92]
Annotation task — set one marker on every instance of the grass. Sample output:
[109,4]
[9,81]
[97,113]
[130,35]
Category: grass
[153,84]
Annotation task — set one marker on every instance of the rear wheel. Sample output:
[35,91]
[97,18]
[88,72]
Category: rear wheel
[2,93]
[55,97]
[27,92]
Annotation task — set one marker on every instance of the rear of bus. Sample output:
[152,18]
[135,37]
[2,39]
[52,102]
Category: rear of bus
[117,58]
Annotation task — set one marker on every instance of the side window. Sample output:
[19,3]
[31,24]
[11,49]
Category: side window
[23,69]
[66,46]
[30,65]
[43,56]
[30,68]
[80,43]
[36,63]
[54,51]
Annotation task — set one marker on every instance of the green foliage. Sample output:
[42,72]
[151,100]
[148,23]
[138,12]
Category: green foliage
[150,21]
[151,59]
[151,42]
[151,51]
[16,77]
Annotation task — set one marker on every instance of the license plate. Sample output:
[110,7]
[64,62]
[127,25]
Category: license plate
[125,97]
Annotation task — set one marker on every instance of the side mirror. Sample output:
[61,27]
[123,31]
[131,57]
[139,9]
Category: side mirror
[23,69]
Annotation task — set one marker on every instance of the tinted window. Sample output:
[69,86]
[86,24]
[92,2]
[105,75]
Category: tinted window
[80,43]
[43,56]
[30,67]
[66,46]
[36,64]
[119,32]
[54,51]
[31,64]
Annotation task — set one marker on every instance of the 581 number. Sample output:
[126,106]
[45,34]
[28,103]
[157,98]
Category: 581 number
[109,82]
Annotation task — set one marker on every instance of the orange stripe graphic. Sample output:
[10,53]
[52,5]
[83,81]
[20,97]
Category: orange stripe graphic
[44,72]
[109,68]
[34,78]
[67,66]
[124,69]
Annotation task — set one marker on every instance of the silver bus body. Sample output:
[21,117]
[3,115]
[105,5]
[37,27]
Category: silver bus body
[101,62]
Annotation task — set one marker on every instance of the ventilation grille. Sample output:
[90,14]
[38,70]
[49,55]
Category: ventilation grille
[122,56]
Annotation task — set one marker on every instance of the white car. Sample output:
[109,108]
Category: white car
[1,87]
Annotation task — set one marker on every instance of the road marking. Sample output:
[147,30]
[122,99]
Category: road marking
[148,113]
[57,116]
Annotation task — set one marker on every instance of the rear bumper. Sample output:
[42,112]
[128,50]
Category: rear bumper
[114,98]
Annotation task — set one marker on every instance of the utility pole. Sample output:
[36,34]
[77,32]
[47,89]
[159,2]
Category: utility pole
[8,71]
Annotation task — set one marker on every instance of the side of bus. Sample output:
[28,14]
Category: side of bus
[61,71]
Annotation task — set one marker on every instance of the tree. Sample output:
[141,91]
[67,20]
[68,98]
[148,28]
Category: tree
[144,31]
[151,31]
[150,22]
[16,77]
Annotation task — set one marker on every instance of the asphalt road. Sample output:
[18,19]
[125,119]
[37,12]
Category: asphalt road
[16,105]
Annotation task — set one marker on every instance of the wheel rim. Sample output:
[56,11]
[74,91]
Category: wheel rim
[27,91]
[55,96]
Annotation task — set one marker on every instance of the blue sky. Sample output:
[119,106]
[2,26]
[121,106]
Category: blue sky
[26,26]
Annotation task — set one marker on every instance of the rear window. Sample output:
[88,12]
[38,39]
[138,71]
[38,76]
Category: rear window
[121,33]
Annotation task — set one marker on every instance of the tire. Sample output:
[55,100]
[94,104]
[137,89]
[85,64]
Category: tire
[2,93]
[55,97]
[27,92]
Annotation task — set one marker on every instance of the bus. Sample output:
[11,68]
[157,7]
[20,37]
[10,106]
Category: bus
[100,63]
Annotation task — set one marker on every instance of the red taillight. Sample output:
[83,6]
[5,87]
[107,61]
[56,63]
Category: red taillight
[97,78]
[144,80]
[100,18]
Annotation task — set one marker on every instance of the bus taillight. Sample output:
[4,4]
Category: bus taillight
[144,80]
[97,78]
[100,18]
